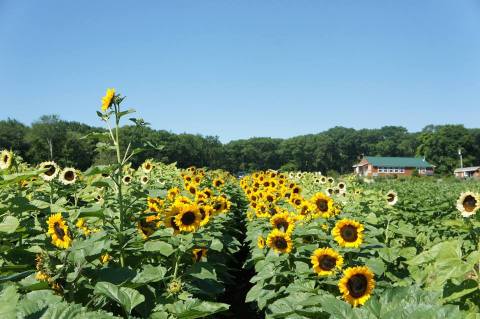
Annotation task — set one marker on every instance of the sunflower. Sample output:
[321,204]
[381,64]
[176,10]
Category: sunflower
[82,225]
[172,193]
[468,203]
[325,261]
[52,170]
[189,218]
[68,176]
[205,211]
[108,99]
[220,204]
[58,229]
[342,186]
[105,258]
[262,210]
[357,285]
[6,159]
[191,189]
[127,179]
[279,241]
[199,253]
[392,198]
[348,233]
[282,222]
[323,180]
[324,205]
[218,182]
[144,179]
[261,242]
[330,180]
[147,166]
[147,226]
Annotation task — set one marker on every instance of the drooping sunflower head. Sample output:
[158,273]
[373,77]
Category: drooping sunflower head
[51,170]
[279,241]
[357,285]
[468,203]
[147,166]
[189,218]
[392,198]
[324,204]
[283,222]
[325,261]
[107,100]
[68,176]
[6,159]
[348,233]
[198,254]
[58,230]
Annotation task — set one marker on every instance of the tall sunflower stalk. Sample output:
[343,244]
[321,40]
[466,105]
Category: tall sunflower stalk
[111,106]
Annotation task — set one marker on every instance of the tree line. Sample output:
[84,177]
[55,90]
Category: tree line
[334,150]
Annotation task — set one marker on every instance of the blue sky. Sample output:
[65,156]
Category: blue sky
[239,69]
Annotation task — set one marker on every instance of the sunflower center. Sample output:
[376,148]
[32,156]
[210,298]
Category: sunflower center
[357,285]
[51,170]
[322,205]
[390,198]
[5,158]
[148,167]
[59,231]
[282,224]
[469,203]
[188,218]
[198,255]
[127,179]
[281,243]
[202,212]
[349,233]
[69,176]
[327,262]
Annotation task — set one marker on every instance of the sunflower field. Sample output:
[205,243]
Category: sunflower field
[156,241]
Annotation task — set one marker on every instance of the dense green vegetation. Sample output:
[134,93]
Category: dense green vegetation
[336,149]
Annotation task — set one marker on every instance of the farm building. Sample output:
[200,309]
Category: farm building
[383,166]
[467,172]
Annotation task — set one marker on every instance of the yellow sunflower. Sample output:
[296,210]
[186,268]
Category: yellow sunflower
[147,226]
[127,179]
[357,285]
[206,212]
[279,241]
[58,229]
[6,159]
[261,242]
[282,222]
[468,203]
[199,253]
[325,261]
[172,193]
[348,233]
[82,225]
[189,218]
[262,210]
[220,204]
[108,99]
[324,205]
[218,182]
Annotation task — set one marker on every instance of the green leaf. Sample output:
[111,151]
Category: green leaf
[128,298]
[162,247]
[8,303]
[9,224]
[194,308]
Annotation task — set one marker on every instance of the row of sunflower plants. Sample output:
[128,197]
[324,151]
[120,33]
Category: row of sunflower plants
[326,248]
[115,241]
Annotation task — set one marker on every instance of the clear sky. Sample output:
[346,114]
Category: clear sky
[239,69]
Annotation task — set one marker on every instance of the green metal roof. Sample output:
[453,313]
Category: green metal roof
[416,162]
